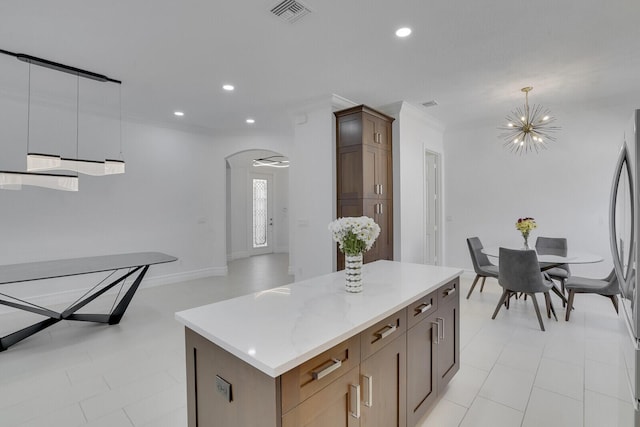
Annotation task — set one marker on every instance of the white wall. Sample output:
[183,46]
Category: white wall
[313,187]
[414,131]
[171,199]
[565,188]
[281,211]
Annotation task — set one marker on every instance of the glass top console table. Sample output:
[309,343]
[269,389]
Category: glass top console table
[133,265]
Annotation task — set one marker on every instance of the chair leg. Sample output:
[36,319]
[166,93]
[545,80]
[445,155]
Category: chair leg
[505,293]
[553,310]
[572,294]
[560,294]
[614,300]
[564,302]
[535,305]
[482,284]
[547,302]
[473,285]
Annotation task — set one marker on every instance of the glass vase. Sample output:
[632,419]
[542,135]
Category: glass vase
[353,272]
[526,246]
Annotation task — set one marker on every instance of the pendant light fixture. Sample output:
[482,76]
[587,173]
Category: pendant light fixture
[529,129]
[272,161]
[37,162]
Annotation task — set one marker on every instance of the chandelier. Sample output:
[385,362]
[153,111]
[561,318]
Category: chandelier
[529,129]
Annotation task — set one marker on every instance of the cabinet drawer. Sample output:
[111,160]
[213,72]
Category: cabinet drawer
[382,333]
[448,292]
[422,308]
[313,375]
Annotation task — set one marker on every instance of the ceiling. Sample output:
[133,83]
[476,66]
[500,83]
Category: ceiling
[472,57]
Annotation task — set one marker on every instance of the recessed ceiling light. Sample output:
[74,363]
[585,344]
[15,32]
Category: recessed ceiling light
[403,32]
[178,113]
[250,121]
[228,87]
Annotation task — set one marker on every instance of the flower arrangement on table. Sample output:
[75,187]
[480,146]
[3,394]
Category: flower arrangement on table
[354,235]
[524,226]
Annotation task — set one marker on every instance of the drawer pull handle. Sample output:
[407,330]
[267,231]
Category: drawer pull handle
[368,391]
[448,292]
[354,400]
[422,308]
[334,364]
[386,331]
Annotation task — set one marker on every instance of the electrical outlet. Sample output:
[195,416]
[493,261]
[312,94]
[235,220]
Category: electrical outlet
[224,388]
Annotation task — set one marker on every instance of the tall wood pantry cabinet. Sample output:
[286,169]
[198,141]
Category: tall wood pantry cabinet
[364,168]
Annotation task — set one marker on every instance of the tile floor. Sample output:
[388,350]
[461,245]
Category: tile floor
[132,374]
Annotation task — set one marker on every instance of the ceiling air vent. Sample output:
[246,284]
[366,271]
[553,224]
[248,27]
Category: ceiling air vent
[290,10]
[431,103]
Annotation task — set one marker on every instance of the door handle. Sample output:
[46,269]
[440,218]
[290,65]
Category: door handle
[437,325]
[440,337]
[354,400]
[368,390]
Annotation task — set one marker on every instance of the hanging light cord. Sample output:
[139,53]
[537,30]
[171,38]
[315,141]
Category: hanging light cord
[28,109]
[120,92]
[77,116]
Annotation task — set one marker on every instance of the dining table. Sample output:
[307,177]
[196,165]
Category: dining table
[548,261]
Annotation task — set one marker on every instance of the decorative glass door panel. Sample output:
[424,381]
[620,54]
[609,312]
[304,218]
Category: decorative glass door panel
[261,214]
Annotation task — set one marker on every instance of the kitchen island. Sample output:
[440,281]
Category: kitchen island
[310,353]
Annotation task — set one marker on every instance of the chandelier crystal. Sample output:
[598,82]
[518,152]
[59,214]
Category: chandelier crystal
[528,129]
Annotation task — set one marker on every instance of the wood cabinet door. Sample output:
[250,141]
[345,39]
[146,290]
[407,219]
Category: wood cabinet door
[448,317]
[369,129]
[333,406]
[384,174]
[349,130]
[384,129]
[382,213]
[383,387]
[422,358]
[376,173]
[351,172]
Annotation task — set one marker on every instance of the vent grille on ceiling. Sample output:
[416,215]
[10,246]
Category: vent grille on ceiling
[431,103]
[290,10]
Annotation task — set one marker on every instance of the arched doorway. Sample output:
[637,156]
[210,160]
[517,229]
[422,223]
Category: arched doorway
[257,203]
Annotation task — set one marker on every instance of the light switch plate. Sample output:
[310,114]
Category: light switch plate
[224,388]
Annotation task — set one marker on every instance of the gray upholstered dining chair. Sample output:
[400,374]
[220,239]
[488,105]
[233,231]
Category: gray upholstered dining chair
[519,271]
[555,246]
[607,287]
[481,264]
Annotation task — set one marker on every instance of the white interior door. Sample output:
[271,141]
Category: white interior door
[261,214]
[432,208]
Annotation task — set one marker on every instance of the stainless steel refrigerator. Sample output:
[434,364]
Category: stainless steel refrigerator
[624,236]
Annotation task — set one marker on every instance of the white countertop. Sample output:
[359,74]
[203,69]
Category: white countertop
[278,329]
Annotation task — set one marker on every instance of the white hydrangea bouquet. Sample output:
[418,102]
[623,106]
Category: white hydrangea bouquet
[354,235]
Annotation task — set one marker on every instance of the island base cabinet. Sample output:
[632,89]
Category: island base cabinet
[422,387]
[337,405]
[389,374]
[254,396]
[382,381]
[433,349]
[448,347]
